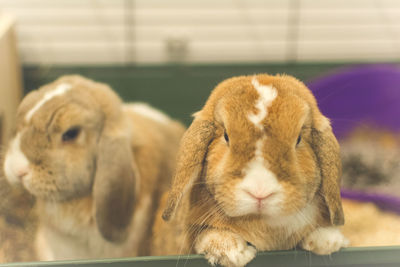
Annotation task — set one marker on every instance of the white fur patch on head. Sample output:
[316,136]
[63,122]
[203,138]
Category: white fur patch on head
[148,111]
[267,94]
[60,89]
[260,182]
[16,165]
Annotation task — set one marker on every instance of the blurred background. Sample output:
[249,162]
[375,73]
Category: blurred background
[165,52]
[172,53]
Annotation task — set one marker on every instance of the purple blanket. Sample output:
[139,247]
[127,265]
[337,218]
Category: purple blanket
[352,97]
[383,201]
[360,94]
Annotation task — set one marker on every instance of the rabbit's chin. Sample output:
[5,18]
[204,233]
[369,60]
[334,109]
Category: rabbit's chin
[52,193]
[55,196]
[275,214]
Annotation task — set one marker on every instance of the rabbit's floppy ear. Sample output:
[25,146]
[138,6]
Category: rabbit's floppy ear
[327,152]
[192,150]
[114,187]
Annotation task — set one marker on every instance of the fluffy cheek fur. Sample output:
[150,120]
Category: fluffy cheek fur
[221,177]
[233,183]
[302,181]
[63,173]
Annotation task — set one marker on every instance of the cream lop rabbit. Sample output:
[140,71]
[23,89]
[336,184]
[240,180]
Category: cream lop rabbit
[95,165]
[258,169]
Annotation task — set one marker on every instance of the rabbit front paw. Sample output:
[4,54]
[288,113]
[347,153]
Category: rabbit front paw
[324,240]
[224,248]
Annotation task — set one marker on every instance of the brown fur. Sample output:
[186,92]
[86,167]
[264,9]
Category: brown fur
[18,223]
[101,188]
[202,196]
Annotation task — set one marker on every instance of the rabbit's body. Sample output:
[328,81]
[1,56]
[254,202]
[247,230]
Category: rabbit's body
[96,166]
[258,169]
[68,231]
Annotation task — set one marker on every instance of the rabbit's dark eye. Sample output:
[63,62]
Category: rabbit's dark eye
[298,140]
[71,134]
[226,137]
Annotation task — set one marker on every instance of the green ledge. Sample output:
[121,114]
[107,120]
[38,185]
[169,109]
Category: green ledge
[178,90]
[367,256]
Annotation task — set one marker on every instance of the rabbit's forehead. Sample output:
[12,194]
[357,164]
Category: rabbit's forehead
[248,102]
[48,104]
[59,90]
[39,105]
[263,105]
[267,94]
[288,115]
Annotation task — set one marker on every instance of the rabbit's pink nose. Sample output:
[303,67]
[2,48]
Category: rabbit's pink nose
[259,196]
[22,172]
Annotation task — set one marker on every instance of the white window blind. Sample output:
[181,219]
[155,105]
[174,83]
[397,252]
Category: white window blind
[208,31]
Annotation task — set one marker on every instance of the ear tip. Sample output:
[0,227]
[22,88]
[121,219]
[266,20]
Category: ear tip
[114,235]
[339,220]
[171,204]
[166,215]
